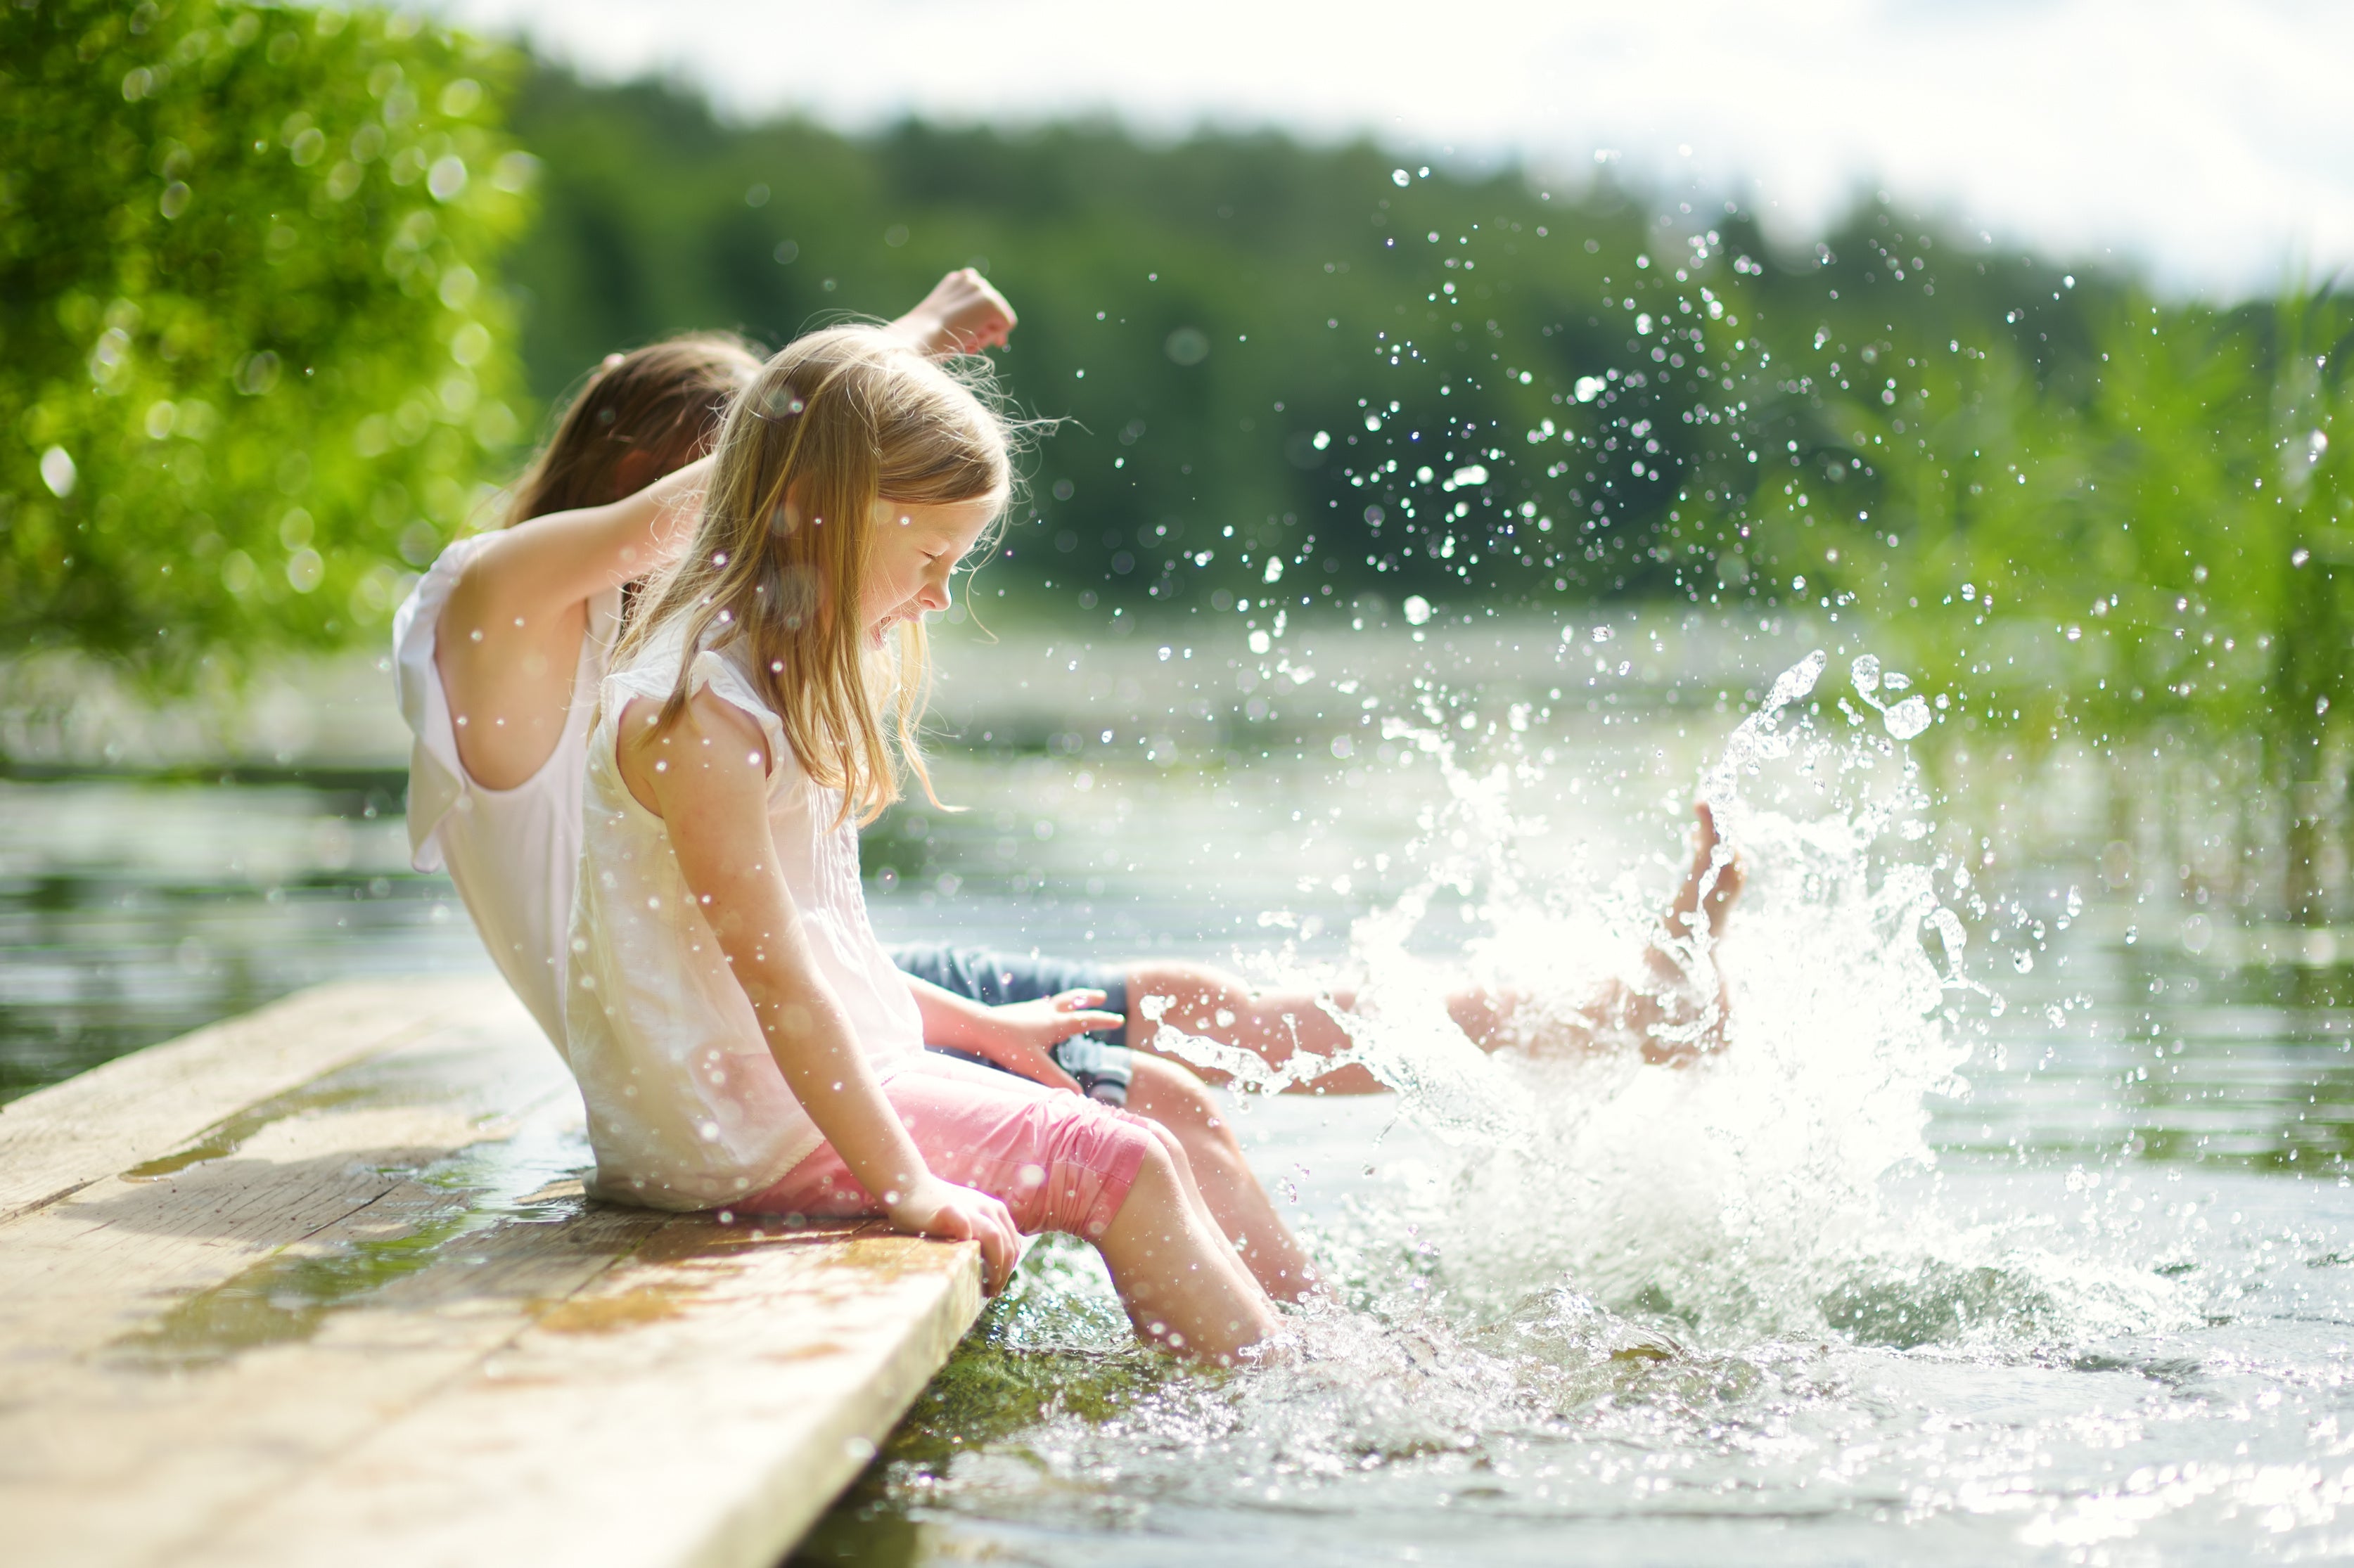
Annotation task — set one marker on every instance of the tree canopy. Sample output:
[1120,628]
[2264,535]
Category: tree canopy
[253,359]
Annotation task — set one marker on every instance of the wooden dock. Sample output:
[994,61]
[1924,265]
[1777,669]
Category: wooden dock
[318,1285]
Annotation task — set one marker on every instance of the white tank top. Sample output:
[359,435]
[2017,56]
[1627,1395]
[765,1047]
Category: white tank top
[513,853]
[686,1108]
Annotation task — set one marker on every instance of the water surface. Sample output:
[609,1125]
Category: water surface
[2050,1261]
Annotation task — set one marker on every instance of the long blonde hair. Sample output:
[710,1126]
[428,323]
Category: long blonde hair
[837,421]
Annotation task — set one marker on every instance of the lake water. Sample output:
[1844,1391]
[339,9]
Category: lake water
[2036,1249]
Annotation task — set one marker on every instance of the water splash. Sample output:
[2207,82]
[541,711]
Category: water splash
[1631,1302]
[1740,1198]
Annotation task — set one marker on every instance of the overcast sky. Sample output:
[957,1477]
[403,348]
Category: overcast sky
[2212,142]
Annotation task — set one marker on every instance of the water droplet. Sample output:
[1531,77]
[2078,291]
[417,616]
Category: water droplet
[57,472]
[447,178]
[1906,719]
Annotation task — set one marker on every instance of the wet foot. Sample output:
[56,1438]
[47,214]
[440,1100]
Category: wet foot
[1680,1015]
[1714,882]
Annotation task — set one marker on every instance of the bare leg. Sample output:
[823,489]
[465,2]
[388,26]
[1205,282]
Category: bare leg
[1176,1274]
[1278,1025]
[1170,1094]
[1674,1015]
[1174,1147]
[1218,1006]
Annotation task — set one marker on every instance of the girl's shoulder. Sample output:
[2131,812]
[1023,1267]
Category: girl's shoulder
[414,623]
[653,669]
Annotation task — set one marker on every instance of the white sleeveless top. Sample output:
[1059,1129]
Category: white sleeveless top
[513,853]
[686,1108]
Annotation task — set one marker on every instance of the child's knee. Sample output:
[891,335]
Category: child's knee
[1159,1160]
[1171,1094]
[1202,1133]
[1171,1148]
[1196,995]
[1103,1160]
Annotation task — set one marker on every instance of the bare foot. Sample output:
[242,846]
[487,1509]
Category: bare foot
[1680,1013]
[1714,880]
[1675,1013]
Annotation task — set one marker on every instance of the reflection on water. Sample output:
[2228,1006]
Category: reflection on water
[2052,1265]
[130,912]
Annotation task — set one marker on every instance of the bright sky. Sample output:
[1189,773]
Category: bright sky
[2211,141]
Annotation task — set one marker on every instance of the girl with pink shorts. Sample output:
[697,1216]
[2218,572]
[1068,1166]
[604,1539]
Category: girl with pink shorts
[1055,1167]
[740,1038]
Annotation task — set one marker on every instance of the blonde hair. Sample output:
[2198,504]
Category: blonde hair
[835,422]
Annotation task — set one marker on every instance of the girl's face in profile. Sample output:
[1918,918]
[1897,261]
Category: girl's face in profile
[916,546]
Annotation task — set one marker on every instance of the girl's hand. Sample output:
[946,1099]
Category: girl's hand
[1020,1035]
[962,314]
[945,1212]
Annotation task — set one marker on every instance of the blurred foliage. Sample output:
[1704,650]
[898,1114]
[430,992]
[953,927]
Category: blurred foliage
[2151,524]
[1198,312]
[266,334]
[2158,536]
[1297,377]
[253,351]
[1478,388]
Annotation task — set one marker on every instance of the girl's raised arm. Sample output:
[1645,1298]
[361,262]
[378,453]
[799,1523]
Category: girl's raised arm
[706,776]
[539,570]
[962,314]
[509,635]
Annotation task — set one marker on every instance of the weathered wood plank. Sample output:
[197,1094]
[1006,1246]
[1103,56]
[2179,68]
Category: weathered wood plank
[376,1321]
[139,1106]
[700,1405]
[153,1333]
[197,1445]
[75,1270]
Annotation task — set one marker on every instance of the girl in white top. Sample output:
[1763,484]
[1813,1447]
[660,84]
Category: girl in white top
[738,1034]
[499,652]
[499,655]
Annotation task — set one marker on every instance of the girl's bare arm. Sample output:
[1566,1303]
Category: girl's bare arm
[706,777]
[1018,1037]
[509,638]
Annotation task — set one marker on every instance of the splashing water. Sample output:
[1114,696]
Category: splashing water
[1576,1290]
[1740,1197]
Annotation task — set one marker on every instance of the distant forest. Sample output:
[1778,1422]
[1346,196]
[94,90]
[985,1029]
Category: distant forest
[1295,376]
[1406,381]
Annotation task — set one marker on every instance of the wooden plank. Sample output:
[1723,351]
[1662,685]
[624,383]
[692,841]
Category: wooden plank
[152,1332]
[385,1326]
[78,1271]
[176,1095]
[196,1446]
[699,1407]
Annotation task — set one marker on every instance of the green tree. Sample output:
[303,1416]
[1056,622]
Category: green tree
[255,350]
[1199,314]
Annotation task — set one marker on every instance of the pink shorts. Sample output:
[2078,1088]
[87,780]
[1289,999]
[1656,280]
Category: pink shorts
[1057,1161]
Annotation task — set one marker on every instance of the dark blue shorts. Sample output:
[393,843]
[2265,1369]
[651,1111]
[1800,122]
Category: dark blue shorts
[1100,1062]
